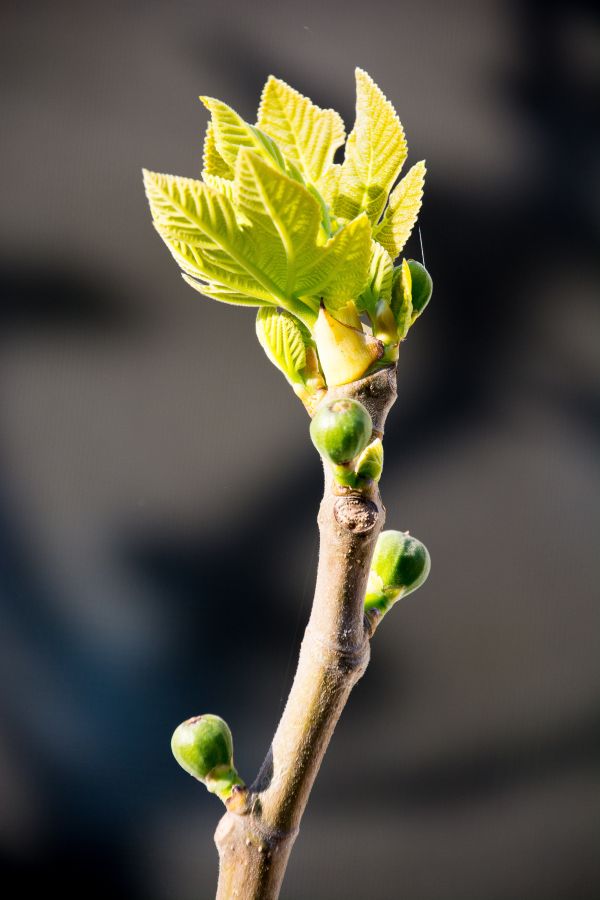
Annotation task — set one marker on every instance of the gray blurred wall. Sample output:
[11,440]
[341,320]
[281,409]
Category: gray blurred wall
[158,490]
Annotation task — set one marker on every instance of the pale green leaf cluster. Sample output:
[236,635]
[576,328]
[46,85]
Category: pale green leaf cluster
[276,223]
[282,338]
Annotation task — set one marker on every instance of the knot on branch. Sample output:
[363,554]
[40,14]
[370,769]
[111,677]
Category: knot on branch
[356,513]
[336,656]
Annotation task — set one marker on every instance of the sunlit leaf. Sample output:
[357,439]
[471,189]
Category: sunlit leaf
[281,337]
[328,184]
[287,218]
[401,302]
[213,163]
[199,226]
[375,152]
[307,135]
[379,284]
[403,209]
[231,134]
[218,183]
[224,295]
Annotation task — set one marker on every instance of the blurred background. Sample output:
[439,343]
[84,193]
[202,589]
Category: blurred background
[158,490]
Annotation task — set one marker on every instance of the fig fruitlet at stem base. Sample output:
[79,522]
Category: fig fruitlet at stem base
[203,746]
[340,430]
[401,564]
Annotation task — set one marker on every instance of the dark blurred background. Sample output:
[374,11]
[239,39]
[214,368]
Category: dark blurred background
[158,490]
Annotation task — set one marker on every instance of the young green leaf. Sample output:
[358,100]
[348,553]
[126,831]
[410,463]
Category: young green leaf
[231,134]
[379,284]
[402,298]
[218,183]
[401,214]
[341,268]
[375,152]
[307,135]
[286,221]
[212,161]
[199,226]
[282,338]
[224,295]
[329,183]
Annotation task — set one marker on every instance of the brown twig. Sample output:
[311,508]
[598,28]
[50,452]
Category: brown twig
[255,840]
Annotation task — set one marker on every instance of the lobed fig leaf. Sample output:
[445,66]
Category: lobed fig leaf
[403,209]
[231,134]
[307,135]
[375,153]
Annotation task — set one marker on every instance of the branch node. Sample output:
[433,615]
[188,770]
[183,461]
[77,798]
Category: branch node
[335,655]
[356,513]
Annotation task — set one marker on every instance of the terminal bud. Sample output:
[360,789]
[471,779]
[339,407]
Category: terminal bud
[345,351]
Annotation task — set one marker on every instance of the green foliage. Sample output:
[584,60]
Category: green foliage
[379,283]
[275,223]
[375,152]
[401,301]
[401,214]
[307,135]
[284,341]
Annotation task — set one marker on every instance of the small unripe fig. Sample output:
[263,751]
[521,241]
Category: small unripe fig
[422,286]
[400,565]
[203,746]
[341,429]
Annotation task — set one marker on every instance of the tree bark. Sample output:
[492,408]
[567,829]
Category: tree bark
[255,842]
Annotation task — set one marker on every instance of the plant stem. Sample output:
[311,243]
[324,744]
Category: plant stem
[254,845]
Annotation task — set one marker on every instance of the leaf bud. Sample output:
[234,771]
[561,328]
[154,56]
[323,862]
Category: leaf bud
[422,287]
[370,462]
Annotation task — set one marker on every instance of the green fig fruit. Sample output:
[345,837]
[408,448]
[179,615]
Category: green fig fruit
[400,565]
[341,429]
[203,746]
